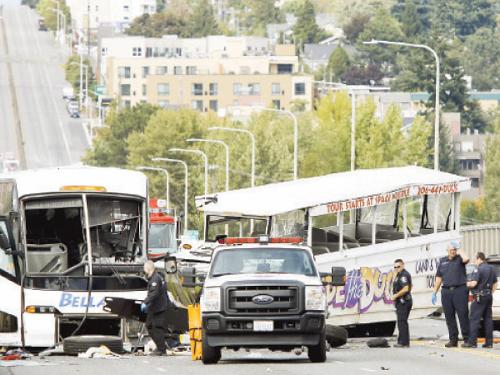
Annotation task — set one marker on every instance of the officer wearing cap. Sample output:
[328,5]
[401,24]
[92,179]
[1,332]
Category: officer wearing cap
[401,289]
[156,305]
[483,284]
[451,275]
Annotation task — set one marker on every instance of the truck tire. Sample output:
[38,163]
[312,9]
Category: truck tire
[79,344]
[209,354]
[336,336]
[317,353]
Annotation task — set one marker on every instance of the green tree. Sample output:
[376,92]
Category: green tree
[492,177]
[355,26]
[110,147]
[383,27]
[447,159]
[338,63]
[259,14]
[414,16]
[202,22]
[330,149]
[379,143]
[46,10]
[473,211]
[163,130]
[461,18]
[159,24]
[417,150]
[306,30]
[72,73]
[481,58]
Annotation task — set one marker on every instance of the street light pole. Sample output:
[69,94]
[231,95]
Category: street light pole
[186,174]
[167,180]
[295,137]
[226,147]
[82,65]
[252,138]
[436,114]
[205,159]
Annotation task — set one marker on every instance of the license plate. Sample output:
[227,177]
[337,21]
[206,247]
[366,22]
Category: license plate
[263,325]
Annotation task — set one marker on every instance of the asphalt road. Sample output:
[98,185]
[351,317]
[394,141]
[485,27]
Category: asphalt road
[427,355]
[51,137]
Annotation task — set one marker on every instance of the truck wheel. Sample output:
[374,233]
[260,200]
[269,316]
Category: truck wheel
[336,336]
[210,354]
[317,353]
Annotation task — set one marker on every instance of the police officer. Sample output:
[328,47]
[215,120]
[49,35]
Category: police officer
[483,284]
[401,289]
[156,305]
[451,275]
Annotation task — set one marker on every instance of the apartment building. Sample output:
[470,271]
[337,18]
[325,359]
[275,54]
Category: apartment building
[205,74]
[91,13]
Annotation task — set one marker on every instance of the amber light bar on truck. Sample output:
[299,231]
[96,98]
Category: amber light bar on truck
[41,310]
[261,240]
[82,188]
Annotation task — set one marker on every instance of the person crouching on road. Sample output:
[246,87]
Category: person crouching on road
[452,275]
[401,289]
[156,305]
[483,284]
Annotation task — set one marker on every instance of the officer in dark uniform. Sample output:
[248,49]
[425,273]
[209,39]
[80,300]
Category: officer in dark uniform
[483,284]
[451,275]
[156,305]
[401,289]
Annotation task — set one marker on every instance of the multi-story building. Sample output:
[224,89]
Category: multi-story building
[89,14]
[213,73]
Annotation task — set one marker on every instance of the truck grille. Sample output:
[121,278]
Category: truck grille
[285,299]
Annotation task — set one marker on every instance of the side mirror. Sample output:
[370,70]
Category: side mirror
[170,265]
[338,276]
[4,241]
[188,277]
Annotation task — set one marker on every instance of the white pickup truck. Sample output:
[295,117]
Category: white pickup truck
[265,294]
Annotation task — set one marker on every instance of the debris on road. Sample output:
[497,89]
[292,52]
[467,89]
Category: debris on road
[378,342]
[99,352]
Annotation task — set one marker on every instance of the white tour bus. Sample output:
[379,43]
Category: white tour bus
[361,220]
[68,238]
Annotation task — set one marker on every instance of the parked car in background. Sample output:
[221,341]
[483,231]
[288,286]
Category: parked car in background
[41,25]
[68,93]
[494,260]
[73,109]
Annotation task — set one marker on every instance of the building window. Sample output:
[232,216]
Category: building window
[285,68]
[144,90]
[244,69]
[276,104]
[197,89]
[124,71]
[104,51]
[197,105]
[161,70]
[213,89]
[214,105]
[275,89]
[254,89]
[125,8]
[126,104]
[97,8]
[163,103]
[145,8]
[145,71]
[136,51]
[125,90]
[475,182]
[191,70]
[236,88]
[177,70]
[149,52]
[300,88]
[163,89]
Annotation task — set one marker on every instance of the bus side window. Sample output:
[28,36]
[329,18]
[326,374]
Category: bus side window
[6,260]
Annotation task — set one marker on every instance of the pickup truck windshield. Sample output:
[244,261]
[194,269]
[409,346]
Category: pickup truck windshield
[260,260]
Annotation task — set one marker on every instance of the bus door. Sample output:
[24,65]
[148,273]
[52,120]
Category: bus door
[10,303]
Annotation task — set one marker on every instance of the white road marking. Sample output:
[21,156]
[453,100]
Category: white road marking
[161,369]
[367,369]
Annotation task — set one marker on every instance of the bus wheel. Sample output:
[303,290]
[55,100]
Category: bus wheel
[80,344]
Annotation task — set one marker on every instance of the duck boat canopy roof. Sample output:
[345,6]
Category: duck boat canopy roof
[333,193]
